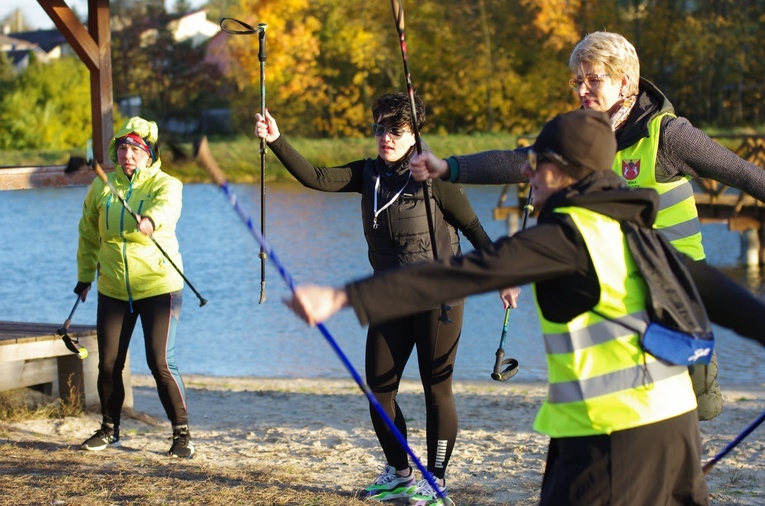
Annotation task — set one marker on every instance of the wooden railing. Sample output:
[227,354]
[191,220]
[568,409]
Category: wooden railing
[37,176]
[715,201]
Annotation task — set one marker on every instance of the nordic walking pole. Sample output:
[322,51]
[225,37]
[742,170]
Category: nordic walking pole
[65,327]
[100,172]
[398,17]
[748,430]
[261,31]
[72,344]
[263,150]
[204,157]
[512,364]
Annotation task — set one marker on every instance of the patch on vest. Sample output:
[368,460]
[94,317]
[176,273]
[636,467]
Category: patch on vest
[630,169]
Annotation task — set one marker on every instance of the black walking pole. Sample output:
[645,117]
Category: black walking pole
[512,364]
[261,31]
[398,17]
[263,150]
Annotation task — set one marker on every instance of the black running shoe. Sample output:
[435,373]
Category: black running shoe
[104,437]
[182,446]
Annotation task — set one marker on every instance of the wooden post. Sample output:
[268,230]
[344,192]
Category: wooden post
[750,248]
[93,46]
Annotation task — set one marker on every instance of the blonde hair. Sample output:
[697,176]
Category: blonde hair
[611,52]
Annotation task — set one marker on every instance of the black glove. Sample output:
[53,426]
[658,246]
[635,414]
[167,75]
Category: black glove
[81,287]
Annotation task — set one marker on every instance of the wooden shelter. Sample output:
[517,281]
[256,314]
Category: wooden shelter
[92,44]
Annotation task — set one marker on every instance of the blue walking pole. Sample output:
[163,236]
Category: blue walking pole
[748,430]
[208,162]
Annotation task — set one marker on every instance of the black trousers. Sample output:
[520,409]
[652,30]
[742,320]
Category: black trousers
[655,465]
[389,346]
[115,322]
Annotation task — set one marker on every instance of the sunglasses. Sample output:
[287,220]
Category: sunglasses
[548,155]
[396,133]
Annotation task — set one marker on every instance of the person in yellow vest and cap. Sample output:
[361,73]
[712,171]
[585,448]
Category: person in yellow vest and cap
[622,423]
[656,148]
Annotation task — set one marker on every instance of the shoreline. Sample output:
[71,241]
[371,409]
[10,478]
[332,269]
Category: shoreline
[313,431]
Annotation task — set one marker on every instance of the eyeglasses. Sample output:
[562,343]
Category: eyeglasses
[590,81]
[548,155]
[379,130]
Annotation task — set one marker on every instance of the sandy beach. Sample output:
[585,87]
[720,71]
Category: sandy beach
[318,430]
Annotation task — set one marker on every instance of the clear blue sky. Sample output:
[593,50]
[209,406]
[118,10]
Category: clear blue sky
[35,15]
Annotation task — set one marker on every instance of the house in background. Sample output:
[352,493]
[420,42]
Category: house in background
[192,27]
[50,41]
[21,51]
[48,44]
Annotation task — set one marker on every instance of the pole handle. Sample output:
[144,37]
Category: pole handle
[65,327]
[262,41]
[512,364]
[398,15]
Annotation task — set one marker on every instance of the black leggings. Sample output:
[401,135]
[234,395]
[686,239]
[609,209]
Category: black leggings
[115,324]
[389,347]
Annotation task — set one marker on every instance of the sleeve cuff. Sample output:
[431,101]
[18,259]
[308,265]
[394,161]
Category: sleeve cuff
[454,169]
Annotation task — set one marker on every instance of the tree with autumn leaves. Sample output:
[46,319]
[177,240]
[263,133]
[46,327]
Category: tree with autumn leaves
[488,65]
[480,65]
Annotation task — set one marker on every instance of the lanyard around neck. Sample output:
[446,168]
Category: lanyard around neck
[391,201]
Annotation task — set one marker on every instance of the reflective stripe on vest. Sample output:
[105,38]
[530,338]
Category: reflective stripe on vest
[678,217]
[600,379]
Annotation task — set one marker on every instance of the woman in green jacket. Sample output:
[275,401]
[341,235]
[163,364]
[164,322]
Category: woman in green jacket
[135,279]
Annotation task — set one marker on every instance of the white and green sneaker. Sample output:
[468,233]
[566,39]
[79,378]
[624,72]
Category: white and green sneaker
[390,485]
[424,495]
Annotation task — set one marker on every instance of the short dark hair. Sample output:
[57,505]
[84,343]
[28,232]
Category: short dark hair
[393,110]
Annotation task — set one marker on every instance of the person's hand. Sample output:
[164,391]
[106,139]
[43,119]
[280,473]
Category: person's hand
[145,225]
[315,304]
[510,296]
[265,127]
[82,290]
[427,165]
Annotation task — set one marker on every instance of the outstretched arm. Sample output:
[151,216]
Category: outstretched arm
[689,151]
[728,304]
[344,178]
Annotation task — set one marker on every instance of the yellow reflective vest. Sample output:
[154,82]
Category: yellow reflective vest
[678,217]
[600,379]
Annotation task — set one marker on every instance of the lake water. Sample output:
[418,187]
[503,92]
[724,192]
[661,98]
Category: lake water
[318,238]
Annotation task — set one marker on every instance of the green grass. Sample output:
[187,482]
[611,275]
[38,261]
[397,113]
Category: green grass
[240,158]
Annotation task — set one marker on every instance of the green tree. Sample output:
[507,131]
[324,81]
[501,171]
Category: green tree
[171,78]
[294,86]
[7,71]
[47,107]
